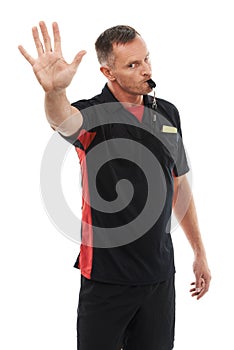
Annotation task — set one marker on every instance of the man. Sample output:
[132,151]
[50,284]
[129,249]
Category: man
[127,296]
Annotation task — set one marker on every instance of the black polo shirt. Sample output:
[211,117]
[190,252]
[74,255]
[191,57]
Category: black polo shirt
[127,171]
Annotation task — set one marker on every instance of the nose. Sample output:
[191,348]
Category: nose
[146,69]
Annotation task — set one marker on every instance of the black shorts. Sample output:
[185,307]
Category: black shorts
[114,316]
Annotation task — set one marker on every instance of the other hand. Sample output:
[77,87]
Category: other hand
[203,278]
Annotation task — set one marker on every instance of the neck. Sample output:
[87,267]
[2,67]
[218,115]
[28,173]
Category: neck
[127,99]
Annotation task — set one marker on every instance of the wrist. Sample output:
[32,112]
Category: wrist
[200,253]
[55,92]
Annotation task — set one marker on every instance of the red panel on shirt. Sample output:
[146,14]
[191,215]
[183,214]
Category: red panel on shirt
[86,247]
[137,111]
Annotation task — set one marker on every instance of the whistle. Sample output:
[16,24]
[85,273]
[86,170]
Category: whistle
[151,83]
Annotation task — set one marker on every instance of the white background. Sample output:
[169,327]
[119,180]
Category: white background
[191,45]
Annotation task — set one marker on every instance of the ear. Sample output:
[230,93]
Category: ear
[107,71]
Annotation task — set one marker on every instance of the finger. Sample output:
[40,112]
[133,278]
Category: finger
[57,38]
[37,41]
[78,59]
[46,37]
[206,286]
[202,293]
[194,291]
[199,293]
[26,55]
[195,294]
[202,285]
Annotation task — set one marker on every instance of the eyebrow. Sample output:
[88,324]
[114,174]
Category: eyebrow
[137,61]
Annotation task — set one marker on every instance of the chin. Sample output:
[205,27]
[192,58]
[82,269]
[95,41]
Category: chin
[146,90]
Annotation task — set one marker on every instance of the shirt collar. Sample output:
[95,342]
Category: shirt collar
[107,96]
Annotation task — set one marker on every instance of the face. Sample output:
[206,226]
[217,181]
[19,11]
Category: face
[132,67]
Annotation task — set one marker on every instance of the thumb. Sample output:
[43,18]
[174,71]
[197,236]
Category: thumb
[78,58]
[199,284]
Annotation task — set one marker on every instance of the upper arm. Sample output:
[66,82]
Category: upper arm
[178,181]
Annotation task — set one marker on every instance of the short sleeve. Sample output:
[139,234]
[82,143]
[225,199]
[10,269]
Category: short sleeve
[181,162]
[79,137]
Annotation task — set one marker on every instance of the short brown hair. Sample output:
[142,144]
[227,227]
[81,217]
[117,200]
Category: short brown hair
[120,34]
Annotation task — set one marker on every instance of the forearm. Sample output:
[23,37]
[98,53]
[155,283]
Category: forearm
[185,211]
[60,114]
[190,226]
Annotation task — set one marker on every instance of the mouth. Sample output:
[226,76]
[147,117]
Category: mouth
[151,83]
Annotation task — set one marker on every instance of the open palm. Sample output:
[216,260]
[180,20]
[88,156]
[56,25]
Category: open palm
[50,68]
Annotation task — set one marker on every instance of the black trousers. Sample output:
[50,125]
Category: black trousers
[115,317]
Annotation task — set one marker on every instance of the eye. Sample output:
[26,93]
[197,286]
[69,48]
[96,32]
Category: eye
[132,65]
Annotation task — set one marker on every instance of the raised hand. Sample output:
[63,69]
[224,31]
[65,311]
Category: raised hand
[50,68]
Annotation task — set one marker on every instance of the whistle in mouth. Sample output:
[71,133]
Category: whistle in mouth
[151,83]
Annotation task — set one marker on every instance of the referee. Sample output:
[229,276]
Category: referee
[134,167]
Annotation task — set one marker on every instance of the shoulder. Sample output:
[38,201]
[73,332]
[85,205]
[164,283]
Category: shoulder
[169,110]
[104,97]
[85,103]
[168,106]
